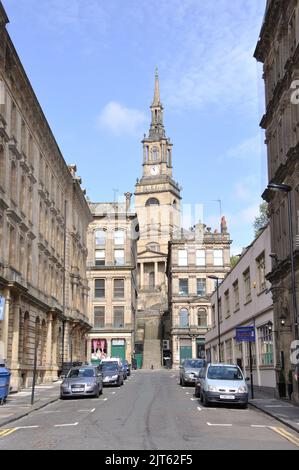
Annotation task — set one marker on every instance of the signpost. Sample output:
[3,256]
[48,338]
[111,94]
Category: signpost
[247,334]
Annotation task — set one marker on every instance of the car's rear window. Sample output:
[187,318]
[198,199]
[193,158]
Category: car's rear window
[224,373]
[109,366]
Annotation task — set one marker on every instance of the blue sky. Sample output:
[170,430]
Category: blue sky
[92,63]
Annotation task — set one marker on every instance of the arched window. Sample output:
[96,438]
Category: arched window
[152,202]
[25,337]
[155,154]
[202,317]
[119,237]
[184,318]
[153,246]
[100,237]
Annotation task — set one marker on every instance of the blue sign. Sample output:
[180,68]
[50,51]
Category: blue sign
[245,333]
[2,307]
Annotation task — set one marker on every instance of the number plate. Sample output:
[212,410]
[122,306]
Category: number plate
[227,397]
[77,390]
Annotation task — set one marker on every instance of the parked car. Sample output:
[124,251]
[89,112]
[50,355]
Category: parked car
[112,373]
[222,383]
[128,368]
[124,368]
[189,370]
[82,381]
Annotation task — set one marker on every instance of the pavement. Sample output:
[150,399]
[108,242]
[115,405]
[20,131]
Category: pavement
[281,409]
[18,405]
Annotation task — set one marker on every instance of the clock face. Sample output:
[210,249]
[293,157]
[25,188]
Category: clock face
[154,170]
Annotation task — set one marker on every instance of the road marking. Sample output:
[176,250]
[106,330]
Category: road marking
[6,432]
[199,408]
[210,424]
[193,399]
[172,376]
[68,424]
[27,427]
[88,411]
[278,406]
[258,426]
[52,411]
[105,399]
[187,393]
[113,393]
[290,437]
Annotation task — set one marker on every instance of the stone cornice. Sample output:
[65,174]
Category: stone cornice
[3,16]
[282,85]
[276,8]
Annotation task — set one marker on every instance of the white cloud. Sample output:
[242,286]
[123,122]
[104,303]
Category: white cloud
[118,119]
[247,188]
[250,148]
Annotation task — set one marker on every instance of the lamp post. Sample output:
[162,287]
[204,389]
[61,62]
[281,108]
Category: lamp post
[287,189]
[218,316]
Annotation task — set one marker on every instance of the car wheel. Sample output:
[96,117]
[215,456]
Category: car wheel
[101,391]
[205,401]
[244,406]
[197,393]
[62,397]
[97,393]
[183,383]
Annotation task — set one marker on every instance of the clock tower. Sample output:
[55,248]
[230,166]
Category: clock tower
[157,203]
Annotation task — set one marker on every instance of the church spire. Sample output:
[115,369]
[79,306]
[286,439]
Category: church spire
[157,128]
[156,100]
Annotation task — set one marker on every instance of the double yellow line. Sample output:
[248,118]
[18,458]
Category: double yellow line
[287,435]
[6,432]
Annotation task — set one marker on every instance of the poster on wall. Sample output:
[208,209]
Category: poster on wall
[2,307]
[98,349]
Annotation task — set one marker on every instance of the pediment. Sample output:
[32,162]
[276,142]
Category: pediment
[147,253]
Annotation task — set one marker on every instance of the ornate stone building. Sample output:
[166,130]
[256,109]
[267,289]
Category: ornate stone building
[157,203]
[278,51]
[193,256]
[43,222]
[111,271]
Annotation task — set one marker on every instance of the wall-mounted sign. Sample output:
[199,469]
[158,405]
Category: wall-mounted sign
[245,333]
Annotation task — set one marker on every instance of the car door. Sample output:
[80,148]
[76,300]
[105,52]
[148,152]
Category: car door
[201,377]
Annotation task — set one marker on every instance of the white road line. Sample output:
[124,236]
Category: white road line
[93,410]
[53,411]
[187,393]
[278,406]
[105,399]
[68,424]
[113,393]
[193,399]
[258,426]
[209,424]
[27,427]
[199,408]
[87,411]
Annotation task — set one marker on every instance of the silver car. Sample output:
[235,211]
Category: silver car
[222,383]
[82,381]
[189,370]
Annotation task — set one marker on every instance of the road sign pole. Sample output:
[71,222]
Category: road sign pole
[251,374]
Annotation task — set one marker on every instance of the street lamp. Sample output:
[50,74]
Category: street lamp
[218,316]
[287,189]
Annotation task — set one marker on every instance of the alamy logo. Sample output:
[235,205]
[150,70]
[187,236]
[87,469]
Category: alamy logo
[295,94]
[294,352]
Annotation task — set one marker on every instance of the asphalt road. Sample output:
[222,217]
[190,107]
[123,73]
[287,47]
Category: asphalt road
[152,412]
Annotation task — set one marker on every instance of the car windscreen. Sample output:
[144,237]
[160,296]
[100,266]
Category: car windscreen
[194,364]
[107,366]
[73,373]
[224,373]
